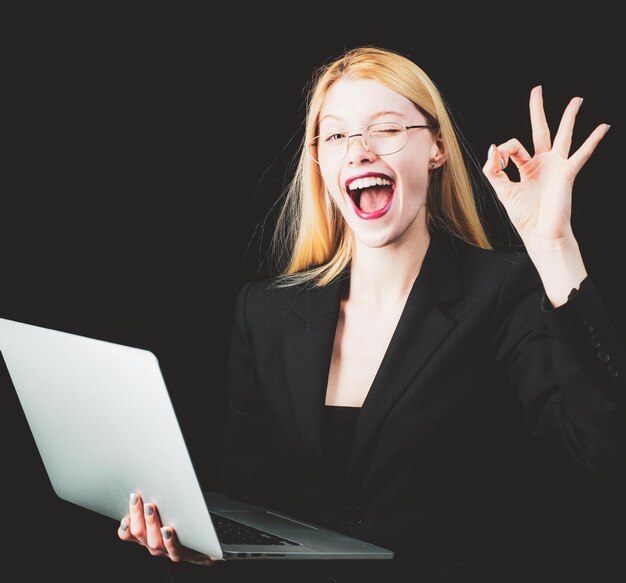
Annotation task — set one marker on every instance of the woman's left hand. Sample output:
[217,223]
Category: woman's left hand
[540,204]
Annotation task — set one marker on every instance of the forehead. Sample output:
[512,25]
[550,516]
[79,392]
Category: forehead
[356,101]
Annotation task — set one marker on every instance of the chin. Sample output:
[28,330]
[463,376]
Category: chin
[375,240]
[379,236]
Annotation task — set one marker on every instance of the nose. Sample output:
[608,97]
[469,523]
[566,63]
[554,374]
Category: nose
[358,151]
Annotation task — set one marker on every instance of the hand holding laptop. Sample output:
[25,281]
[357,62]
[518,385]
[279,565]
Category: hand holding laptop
[142,525]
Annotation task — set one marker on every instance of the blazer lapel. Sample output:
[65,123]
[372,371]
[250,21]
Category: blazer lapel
[422,327]
[308,352]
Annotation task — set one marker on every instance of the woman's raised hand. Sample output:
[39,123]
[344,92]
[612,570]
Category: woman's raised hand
[143,525]
[540,204]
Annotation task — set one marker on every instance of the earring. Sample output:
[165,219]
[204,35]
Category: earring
[432,164]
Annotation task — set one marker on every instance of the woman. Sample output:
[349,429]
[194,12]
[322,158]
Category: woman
[368,382]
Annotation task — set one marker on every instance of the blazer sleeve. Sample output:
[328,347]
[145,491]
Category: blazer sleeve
[568,365]
[244,456]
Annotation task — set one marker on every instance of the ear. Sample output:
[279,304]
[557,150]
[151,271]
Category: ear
[438,153]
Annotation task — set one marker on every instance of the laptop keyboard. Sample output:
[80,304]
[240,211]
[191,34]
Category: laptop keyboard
[231,532]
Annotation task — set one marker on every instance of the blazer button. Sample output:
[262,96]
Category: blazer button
[612,371]
[603,356]
[588,326]
[594,342]
[353,515]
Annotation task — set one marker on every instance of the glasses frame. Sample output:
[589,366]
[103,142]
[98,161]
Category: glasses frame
[365,144]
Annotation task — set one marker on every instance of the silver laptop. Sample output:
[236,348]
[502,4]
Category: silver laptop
[103,422]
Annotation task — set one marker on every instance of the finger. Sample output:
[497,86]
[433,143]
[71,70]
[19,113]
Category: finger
[178,552]
[580,157]
[538,122]
[170,541]
[137,521]
[513,150]
[563,138]
[123,531]
[494,170]
[154,540]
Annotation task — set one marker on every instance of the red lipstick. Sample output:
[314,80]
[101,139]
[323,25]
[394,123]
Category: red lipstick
[368,216]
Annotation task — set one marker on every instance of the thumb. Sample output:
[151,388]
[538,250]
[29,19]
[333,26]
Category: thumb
[494,170]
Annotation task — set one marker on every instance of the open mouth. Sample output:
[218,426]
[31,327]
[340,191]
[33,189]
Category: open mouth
[371,196]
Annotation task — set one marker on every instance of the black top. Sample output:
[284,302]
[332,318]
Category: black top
[338,426]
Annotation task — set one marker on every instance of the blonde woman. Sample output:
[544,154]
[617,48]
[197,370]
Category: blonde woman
[369,381]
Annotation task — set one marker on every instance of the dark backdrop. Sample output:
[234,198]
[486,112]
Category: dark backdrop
[142,156]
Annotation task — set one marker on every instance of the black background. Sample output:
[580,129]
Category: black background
[141,156]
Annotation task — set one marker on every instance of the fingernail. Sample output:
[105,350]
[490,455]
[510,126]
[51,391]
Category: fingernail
[490,152]
[148,509]
[167,535]
[133,499]
[607,129]
[502,163]
[580,102]
[124,524]
[540,89]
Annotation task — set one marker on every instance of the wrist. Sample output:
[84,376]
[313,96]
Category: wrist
[560,266]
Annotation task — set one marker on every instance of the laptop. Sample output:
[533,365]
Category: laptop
[104,425]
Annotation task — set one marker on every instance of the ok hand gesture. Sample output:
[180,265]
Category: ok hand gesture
[540,204]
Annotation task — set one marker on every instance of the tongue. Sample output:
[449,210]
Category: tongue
[374,198]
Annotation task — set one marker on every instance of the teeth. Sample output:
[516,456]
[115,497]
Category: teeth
[369,181]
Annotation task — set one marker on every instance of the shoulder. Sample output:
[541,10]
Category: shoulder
[266,298]
[499,265]
[485,279]
[269,291]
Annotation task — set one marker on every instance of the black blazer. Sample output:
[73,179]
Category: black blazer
[478,350]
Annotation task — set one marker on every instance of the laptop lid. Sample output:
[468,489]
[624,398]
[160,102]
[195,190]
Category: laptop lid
[86,402]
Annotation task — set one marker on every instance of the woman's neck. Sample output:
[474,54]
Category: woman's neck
[383,276]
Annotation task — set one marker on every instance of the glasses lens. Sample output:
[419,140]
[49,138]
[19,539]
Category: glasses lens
[330,148]
[386,138]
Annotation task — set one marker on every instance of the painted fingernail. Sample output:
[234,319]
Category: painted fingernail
[133,499]
[124,524]
[148,510]
[167,535]
[490,152]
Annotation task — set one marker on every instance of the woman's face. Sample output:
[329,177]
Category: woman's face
[379,212]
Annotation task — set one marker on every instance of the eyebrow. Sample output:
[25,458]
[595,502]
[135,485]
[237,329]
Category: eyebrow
[373,116]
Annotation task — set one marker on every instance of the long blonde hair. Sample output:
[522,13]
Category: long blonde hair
[311,229]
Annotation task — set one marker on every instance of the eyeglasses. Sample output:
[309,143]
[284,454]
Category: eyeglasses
[382,139]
